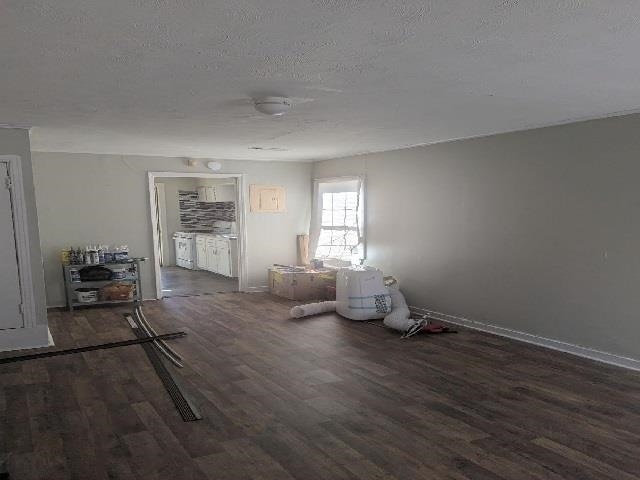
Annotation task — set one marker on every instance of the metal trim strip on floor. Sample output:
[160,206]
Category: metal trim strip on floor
[184,404]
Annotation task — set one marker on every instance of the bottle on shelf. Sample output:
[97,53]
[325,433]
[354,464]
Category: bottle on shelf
[65,256]
[94,254]
[108,254]
[95,257]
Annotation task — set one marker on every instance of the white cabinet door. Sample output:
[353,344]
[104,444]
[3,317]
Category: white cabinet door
[202,194]
[10,296]
[224,257]
[206,194]
[201,252]
[212,255]
[225,193]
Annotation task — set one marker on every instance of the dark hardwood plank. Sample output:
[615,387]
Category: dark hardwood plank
[316,398]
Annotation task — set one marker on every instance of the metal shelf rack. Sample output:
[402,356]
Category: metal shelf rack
[133,275]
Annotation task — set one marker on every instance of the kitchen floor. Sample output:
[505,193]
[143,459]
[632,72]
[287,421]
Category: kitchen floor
[178,281]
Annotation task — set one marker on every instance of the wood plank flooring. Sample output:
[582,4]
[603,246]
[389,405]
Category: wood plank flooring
[318,398]
[178,281]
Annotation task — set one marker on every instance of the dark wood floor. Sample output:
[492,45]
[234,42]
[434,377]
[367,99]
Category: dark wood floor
[178,281]
[320,398]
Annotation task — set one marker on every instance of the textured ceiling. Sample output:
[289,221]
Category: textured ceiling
[174,77]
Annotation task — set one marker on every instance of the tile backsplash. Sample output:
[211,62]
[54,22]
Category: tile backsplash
[195,215]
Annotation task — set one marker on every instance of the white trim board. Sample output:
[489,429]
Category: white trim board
[241,219]
[585,352]
[22,338]
[22,239]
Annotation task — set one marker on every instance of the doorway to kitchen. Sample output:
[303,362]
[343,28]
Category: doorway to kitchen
[199,233]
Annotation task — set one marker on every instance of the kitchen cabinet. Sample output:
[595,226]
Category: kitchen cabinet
[201,252]
[217,254]
[223,252]
[211,255]
[217,193]
[206,194]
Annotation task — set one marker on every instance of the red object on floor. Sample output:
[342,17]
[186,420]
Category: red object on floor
[434,327]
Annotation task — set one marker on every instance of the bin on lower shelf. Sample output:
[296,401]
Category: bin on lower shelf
[87,295]
[117,291]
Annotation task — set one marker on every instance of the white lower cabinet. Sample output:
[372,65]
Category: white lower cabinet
[224,257]
[217,254]
[201,252]
[212,255]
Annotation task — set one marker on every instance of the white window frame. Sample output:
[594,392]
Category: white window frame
[316,216]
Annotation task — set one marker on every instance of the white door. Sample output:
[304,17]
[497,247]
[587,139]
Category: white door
[201,252]
[212,255]
[224,258]
[10,296]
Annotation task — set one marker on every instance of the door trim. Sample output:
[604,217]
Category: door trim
[21,232]
[241,220]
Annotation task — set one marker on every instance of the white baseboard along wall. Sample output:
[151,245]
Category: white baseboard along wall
[590,353]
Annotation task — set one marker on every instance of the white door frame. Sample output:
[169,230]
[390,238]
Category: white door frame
[21,232]
[241,219]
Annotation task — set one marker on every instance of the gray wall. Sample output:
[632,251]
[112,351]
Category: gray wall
[537,231]
[84,198]
[16,142]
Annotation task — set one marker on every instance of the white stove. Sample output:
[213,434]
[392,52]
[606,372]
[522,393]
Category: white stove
[185,249]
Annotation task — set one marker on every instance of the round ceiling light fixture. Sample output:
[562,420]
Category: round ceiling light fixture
[274,106]
[215,166]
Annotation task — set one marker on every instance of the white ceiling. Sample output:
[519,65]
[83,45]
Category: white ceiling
[175,77]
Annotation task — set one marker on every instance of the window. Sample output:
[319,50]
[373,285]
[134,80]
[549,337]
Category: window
[338,231]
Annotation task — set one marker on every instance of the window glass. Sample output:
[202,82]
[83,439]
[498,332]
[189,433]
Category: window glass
[339,236]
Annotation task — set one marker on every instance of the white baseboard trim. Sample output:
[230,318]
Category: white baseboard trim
[262,289]
[590,353]
[22,338]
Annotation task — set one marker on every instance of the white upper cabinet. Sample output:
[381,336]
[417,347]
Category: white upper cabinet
[217,193]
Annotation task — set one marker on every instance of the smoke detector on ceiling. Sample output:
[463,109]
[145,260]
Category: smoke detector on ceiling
[274,106]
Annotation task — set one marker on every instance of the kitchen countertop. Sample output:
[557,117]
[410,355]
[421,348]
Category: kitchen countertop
[224,235]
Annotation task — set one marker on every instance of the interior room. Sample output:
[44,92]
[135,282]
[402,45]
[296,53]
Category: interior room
[319,240]
[196,235]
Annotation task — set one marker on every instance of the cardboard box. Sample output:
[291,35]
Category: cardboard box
[300,285]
